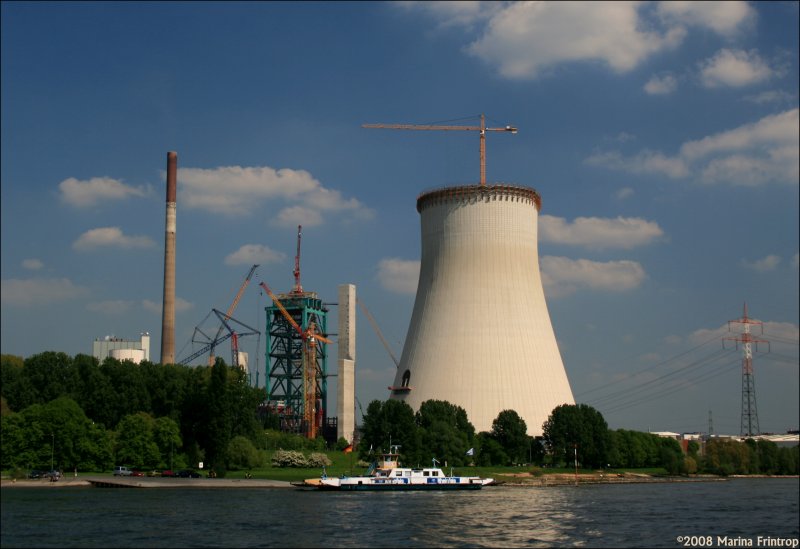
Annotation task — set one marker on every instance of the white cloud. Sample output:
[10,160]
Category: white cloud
[778,330]
[110,307]
[236,190]
[724,18]
[39,291]
[624,193]
[563,276]
[526,38]
[661,85]
[297,215]
[32,264]
[770,96]
[734,68]
[599,233]
[399,275]
[766,151]
[181,305]
[87,193]
[110,237]
[644,162]
[763,265]
[254,254]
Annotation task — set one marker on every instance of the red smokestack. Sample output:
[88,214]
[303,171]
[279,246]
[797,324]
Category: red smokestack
[168,305]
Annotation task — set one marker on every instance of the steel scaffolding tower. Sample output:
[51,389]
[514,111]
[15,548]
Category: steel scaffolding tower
[285,382]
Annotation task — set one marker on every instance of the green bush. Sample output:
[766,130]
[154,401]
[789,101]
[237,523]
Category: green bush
[289,458]
[318,459]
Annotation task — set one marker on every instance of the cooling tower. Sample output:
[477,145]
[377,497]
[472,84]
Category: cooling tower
[480,335]
[168,303]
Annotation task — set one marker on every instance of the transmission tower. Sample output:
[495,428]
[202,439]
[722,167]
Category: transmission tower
[749,423]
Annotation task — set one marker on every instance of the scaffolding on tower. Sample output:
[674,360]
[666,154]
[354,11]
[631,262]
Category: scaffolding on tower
[296,357]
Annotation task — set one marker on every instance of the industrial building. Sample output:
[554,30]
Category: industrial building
[122,349]
[480,334]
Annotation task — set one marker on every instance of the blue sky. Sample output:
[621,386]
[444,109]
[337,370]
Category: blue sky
[663,138]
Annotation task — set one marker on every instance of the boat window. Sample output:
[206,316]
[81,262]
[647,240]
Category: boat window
[425,473]
[434,473]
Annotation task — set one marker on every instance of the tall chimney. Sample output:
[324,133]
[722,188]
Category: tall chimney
[168,307]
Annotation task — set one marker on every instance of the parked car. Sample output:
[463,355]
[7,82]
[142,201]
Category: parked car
[121,471]
[36,473]
[186,473]
[136,473]
[52,475]
[168,473]
[153,473]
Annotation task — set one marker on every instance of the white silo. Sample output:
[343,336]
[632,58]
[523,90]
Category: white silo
[480,335]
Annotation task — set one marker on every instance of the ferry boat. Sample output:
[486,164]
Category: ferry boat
[390,476]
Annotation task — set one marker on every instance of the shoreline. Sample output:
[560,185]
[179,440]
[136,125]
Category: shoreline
[520,480]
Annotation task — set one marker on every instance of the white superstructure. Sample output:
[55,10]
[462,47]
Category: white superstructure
[480,335]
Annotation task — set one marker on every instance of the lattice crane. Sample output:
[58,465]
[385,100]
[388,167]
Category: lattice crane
[235,339]
[309,337]
[482,129]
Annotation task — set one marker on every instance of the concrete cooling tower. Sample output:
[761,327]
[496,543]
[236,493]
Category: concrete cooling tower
[480,335]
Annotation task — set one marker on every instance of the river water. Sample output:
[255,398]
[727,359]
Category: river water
[622,515]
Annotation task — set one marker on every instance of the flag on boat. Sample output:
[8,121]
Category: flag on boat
[471,452]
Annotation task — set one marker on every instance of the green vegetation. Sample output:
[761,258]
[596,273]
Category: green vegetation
[76,414]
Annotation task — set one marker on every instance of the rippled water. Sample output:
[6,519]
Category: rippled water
[625,515]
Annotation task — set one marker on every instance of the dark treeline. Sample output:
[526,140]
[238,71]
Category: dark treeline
[571,433]
[75,413]
[78,414]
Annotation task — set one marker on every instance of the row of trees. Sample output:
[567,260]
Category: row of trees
[571,433]
[143,415]
[80,414]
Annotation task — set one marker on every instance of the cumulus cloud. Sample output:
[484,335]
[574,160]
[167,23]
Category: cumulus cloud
[724,18]
[562,276]
[599,233]
[32,264]
[766,151]
[83,194]
[399,275]
[526,38]
[770,96]
[39,291]
[661,84]
[298,215]
[110,237]
[254,254]
[734,68]
[236,190]
[778,330]
[110,307]
[181,305]
[763,265]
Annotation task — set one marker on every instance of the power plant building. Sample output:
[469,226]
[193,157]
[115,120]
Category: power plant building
[480,334]
[122,349]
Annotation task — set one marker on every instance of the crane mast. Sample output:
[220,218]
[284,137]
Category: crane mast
[482,129]
[298,289]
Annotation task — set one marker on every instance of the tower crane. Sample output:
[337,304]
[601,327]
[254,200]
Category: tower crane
[234,340]
[298,289]
[309,337]
[482,129]
[378,331]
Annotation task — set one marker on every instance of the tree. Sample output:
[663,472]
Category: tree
[242,454]
[135,443]
[445,432]
[390,422]
[510,431]
[577,429]
[219,418]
